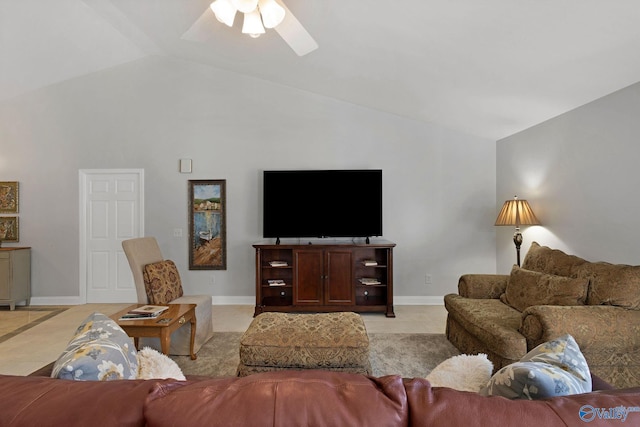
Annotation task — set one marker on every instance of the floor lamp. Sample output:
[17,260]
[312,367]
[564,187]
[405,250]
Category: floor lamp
[516,212]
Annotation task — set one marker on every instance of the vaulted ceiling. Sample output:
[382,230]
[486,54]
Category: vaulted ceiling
[489,68]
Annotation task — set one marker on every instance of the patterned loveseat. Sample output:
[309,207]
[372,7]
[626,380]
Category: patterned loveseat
[553,294]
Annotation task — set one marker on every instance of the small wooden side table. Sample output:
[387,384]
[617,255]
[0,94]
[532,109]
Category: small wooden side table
[161,326]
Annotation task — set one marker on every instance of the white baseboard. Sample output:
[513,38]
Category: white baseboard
[237,300]
[224,300]
[420,300]
[56,301]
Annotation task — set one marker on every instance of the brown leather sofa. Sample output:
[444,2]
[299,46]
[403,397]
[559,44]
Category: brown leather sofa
[292,398]
[552,294]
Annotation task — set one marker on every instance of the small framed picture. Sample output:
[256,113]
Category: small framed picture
[9,230]
[8,196]
[207,225]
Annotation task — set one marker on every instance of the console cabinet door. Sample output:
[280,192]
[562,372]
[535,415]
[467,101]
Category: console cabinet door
[309,276]
[15,276]
[5,276]
[338,277]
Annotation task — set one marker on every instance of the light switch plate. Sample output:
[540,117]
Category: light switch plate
[185,165]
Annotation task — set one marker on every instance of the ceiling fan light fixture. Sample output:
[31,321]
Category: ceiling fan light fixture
[225,11]
[245,6]
[272,13]
[252,24]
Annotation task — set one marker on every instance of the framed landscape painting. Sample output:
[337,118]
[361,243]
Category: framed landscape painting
[8,197]
[9,230]
[207,225]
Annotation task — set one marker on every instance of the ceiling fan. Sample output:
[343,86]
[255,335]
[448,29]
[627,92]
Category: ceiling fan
[258,15]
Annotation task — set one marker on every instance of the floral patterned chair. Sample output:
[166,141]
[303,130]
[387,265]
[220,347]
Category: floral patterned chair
[505,316]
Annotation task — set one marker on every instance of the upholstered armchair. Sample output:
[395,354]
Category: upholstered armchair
[158,282]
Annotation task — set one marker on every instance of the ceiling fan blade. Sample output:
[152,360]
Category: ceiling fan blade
[202,29]
[292,32]
[114,16]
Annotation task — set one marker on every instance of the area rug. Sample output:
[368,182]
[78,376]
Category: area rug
[407,355]
[14,322]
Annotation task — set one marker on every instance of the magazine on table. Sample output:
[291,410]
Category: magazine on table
[144,312]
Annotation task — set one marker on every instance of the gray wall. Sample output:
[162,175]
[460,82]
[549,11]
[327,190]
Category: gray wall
[439,185]
[580,173]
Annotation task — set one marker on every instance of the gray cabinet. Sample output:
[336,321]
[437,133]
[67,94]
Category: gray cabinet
[15,276]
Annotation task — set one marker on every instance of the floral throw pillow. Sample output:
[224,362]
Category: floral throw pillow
[554,368]
[162,282]
[99,351]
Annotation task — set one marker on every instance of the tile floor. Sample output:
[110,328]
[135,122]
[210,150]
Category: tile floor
[41,344]
[13,322]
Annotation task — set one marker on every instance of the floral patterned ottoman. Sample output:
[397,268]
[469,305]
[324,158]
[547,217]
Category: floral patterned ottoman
[330,341]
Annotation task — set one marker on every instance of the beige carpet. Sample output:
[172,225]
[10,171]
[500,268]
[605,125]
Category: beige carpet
[408,355]
[13,322]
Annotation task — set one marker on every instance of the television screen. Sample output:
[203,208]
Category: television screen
[322,203]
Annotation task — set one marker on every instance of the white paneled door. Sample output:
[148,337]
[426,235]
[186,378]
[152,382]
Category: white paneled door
[111,210]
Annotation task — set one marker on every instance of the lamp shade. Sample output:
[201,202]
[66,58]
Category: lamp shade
[272,13]
[225,11]
[516,212]
[253,24]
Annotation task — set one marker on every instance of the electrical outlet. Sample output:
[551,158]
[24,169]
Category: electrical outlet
[427,279]
[177,232]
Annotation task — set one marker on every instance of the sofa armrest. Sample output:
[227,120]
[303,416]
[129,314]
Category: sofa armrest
[481,286]
[593,327]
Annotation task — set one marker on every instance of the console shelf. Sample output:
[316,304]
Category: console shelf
[325,277]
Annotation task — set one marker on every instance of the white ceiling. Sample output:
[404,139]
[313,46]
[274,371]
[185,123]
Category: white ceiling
[489,68]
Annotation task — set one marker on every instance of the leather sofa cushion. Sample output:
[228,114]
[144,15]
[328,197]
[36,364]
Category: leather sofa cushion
[307,398]
[445,407]
[527,288]
[42,401]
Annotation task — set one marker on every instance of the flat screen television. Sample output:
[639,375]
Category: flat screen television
[322,203]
